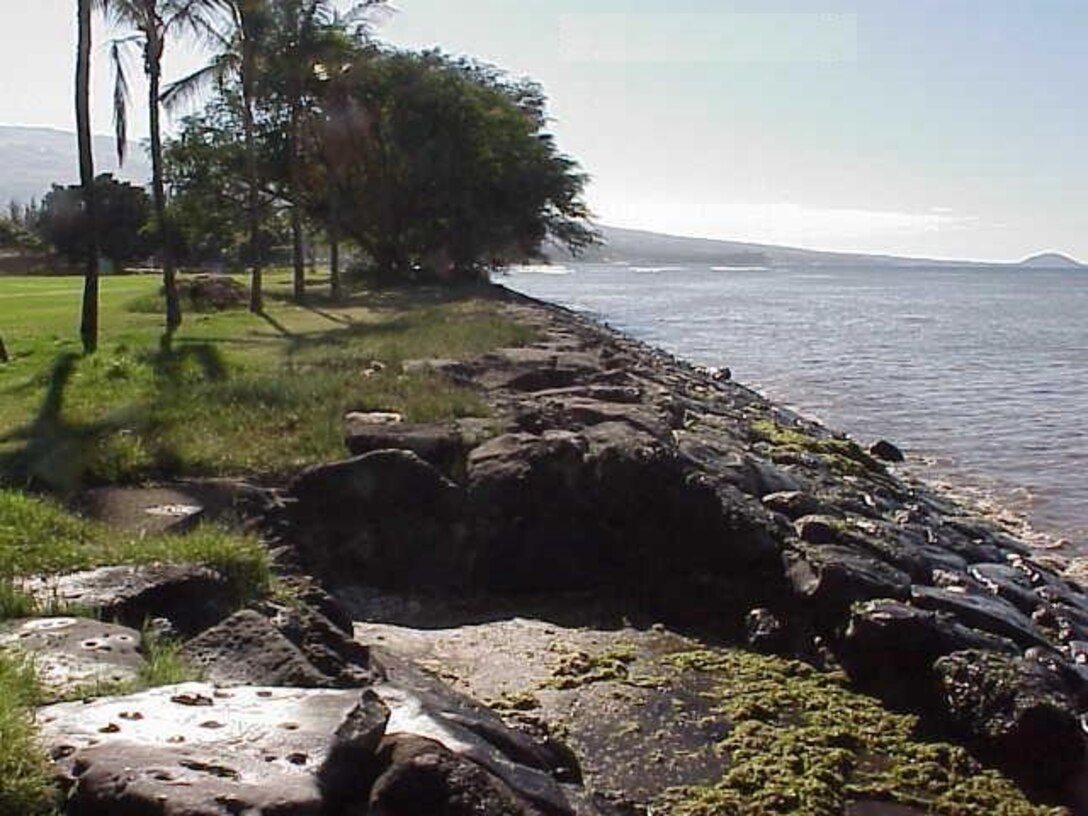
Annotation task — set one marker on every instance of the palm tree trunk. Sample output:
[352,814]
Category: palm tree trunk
[88,329]
[296,208]
[256,294]
[158,190]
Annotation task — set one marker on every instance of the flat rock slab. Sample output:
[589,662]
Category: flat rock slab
[74,654]
[174,507]
[190,597]
[578,680]
[211,751]
[208,751]
[647,713]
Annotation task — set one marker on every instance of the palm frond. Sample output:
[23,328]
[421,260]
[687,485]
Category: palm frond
[206,21]
[120,97]
[185,90]
[125,13]
[364,15]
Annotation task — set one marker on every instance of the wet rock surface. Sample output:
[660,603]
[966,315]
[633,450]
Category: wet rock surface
[616,468]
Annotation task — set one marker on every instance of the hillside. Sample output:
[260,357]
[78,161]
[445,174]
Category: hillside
[642,247]
[33,159]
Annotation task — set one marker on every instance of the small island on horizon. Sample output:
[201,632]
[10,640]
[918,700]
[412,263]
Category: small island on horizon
[1051,260]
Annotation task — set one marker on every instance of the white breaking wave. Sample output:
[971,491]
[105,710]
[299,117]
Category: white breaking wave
[539,269]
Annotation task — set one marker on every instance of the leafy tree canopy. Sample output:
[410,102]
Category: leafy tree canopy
[123,212]
[435,167]
[449,168]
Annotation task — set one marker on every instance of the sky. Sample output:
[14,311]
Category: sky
[930,128]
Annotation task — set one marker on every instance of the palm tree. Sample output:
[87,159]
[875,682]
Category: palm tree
[88,327]
[154,21]
[257,29]
[305,36]
[239,51]
[336,133]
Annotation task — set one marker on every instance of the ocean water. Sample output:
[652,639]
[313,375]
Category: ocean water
[980,375]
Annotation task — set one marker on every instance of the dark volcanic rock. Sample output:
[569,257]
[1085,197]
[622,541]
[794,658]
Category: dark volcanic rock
[576,413]
[1008,583]
[424,777]
[443,446]
[247,649]
[433,707]
[529,369]
[817,529]
[985,612]
[765,631]
[327,647]
[630,517]
[794,503]
[834,577]
[190,597]
[883,449]
[890,647]
[386,517]
[1018,713]
[352,764]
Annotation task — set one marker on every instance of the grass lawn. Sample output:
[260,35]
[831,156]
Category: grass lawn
[236,394]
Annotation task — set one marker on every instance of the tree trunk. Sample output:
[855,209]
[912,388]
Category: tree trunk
[3,352]
[256,293]
[336,289]
[158,189]
[88,329]
[296,213]
[335,285]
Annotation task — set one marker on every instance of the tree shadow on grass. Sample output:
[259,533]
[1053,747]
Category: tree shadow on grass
[343,320]
[56,454]
[172,365]
[53,449]
[275,324]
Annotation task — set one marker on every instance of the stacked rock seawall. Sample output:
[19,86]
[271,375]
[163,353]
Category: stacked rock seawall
[610,467]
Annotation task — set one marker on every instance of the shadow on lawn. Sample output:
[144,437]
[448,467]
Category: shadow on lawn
[57,454]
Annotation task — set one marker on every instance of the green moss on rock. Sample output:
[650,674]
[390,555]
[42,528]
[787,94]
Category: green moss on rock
[803,743]
[577,668]
[839,455]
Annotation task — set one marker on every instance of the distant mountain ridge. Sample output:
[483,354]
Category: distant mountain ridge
[650,248]
[32,159]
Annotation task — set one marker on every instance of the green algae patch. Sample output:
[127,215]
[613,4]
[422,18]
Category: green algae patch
[840,455]
[800,742]
[577,668]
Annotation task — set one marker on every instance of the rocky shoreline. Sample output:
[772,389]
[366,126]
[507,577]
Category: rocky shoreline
[588,560]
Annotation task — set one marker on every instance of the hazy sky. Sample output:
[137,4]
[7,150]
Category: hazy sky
[946,128]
